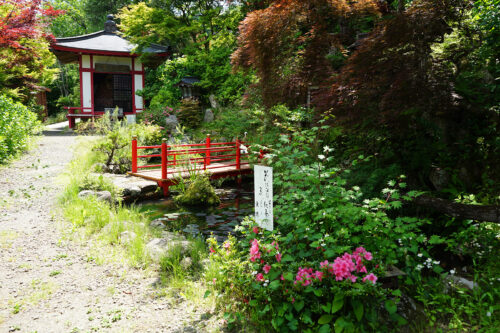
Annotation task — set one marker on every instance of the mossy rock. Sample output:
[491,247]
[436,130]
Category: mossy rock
[190,114]
[199,193]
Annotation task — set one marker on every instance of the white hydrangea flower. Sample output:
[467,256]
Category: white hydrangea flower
[321,157]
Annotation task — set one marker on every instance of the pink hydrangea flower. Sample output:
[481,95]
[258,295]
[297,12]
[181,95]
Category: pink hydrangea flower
[259,277]
[282,278]
[318,275]
[370,277]
[323,264]
[304,276]
[255,230]
[266,268]
[278,257]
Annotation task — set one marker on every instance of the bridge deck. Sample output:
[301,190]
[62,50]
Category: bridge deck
[222,159]
[216,170]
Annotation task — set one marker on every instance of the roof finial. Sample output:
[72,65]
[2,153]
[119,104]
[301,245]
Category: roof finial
[110,25]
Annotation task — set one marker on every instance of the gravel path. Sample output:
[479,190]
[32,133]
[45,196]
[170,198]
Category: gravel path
[48,284]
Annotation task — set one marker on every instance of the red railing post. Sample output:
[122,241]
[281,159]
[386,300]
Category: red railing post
[207,159]
[164,159]
[134,154]
[238,154]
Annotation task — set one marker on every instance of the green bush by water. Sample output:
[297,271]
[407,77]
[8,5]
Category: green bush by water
[198,193]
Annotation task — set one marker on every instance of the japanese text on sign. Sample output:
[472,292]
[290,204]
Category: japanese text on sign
[263,182]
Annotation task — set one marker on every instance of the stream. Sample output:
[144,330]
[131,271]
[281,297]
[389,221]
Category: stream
[204,221]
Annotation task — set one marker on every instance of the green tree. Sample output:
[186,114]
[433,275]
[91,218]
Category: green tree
[202,36]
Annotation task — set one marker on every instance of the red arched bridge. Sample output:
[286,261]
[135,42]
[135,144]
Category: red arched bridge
[219,159]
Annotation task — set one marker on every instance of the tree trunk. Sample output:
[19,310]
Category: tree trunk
[473,212]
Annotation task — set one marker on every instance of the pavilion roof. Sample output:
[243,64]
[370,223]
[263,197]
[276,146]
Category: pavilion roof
[105,42]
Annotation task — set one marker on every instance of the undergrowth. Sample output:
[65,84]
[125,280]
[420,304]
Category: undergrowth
[101,224]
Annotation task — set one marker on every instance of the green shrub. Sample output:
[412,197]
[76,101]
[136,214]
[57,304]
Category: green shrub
[199,193]
[282,278]
[114,148]
[17,124]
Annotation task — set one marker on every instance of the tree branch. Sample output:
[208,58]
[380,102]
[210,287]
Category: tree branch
[489,213]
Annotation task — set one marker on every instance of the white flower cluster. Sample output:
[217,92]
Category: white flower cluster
[428,263]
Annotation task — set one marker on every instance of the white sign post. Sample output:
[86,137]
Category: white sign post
[263,182]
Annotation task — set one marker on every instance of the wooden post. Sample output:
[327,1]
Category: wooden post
[164,159]
[207,154]
[238,155]
[134,154]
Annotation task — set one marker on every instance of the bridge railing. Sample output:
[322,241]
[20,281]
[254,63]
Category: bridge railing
[200,156]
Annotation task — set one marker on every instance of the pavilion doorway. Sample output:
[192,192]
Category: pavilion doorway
[113,90]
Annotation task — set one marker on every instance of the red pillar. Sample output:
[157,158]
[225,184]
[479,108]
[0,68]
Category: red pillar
[164,159]
[134,154]
[207,154]
[238,155]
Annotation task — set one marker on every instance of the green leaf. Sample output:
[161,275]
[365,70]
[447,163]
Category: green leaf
[340,324]
[318,292]
[277,322]
[298,305]
[325,319]
[253,303]
[399,319]
[435,239]
[274,285]
[338,302]
[358,308]
[324,329]
[327,307]
[287,258]
[396,292]
[207,293]
[390,306]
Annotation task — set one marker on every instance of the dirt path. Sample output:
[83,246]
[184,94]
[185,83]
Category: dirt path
[48,284]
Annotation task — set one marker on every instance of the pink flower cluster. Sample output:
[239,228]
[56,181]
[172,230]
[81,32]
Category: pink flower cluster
[305,276]
[343,267]
[254,251]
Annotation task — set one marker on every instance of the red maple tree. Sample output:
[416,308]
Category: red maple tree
[25,19]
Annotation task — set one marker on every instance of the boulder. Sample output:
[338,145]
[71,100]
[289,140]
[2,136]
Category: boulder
[127,236]
[213,102]
[101,195]
[104,196]
[186,262]
[132,187]
[171,122]
[209,116]
[462,282]
[159,223]
[159,247]
[86,193]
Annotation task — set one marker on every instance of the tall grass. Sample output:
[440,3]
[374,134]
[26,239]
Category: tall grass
[102,221]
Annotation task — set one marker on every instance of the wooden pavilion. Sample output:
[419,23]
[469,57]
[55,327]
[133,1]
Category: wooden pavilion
[110,72]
